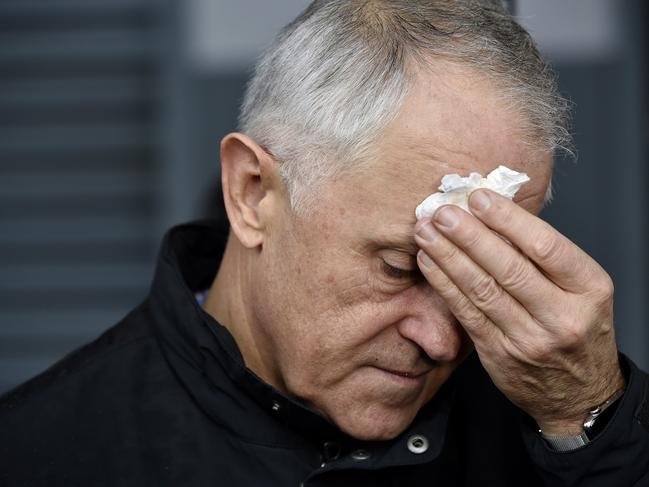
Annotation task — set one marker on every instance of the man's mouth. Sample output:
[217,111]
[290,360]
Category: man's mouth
[408,374]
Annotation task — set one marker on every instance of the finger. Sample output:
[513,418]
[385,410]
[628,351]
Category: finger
[512,270]
[475,322]
[472,281]
[562,261]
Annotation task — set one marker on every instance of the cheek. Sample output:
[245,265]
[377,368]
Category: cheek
[325,312]
[336,339]
[309,307]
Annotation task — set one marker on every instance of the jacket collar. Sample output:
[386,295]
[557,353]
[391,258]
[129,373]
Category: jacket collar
[207,360]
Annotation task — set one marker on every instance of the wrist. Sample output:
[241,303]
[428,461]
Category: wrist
[567,436]
[563,427]
[576,422]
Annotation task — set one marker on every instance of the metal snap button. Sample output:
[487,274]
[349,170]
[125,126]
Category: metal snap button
[331,451]
[417,444]
[276,406]
[360,454]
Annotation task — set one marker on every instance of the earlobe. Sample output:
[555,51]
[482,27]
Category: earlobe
[244,177]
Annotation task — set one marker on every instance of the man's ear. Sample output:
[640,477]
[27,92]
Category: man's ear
[250,178]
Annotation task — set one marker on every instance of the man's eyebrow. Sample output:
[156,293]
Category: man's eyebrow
[405,243]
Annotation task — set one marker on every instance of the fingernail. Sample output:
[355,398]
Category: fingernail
[427,231]
[424,259]
[447,217]
[480,200]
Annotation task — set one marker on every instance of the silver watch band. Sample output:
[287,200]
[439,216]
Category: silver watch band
[566,443]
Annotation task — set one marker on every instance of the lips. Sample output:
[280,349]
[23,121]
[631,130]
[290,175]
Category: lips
[414,374]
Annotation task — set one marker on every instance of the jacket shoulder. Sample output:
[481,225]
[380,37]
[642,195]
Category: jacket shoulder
[75,369]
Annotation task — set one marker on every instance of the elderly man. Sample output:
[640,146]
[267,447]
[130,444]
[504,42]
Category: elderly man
[340,341]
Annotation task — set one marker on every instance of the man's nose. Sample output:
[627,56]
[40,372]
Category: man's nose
[431,325]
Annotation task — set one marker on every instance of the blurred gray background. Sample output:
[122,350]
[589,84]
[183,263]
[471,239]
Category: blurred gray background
[111,113]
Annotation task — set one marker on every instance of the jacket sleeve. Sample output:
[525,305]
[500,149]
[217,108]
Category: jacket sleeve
[618,456]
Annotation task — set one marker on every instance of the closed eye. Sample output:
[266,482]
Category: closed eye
[398,273]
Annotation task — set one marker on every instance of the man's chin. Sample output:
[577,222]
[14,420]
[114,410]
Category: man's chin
[377,426]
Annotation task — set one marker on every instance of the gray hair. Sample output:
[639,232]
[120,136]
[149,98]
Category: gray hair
[337,75]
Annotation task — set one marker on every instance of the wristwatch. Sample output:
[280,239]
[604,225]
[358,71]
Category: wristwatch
[592,426]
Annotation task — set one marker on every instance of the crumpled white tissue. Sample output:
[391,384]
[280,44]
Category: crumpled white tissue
[455,190]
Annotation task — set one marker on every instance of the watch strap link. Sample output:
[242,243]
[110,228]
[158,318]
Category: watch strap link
[566,443]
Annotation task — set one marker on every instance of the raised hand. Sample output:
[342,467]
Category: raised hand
[538,309]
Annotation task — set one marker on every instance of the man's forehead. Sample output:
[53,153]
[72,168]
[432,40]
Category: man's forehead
[433,136]
[456,119]
[383,200]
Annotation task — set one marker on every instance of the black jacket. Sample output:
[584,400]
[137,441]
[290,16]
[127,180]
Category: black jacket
[164,399]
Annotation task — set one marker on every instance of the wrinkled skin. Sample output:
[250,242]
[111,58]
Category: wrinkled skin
[340,308]
[540,314]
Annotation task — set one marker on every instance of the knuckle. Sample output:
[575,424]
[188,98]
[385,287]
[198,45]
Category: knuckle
[601,306]
[467,311]
[471,238]
[548,248]
[470,316]
[480,326]
[516,273]
[461,305]
[603,288]
[449,292]
[573,335]
[451,254]
[486,291]
[542,353]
